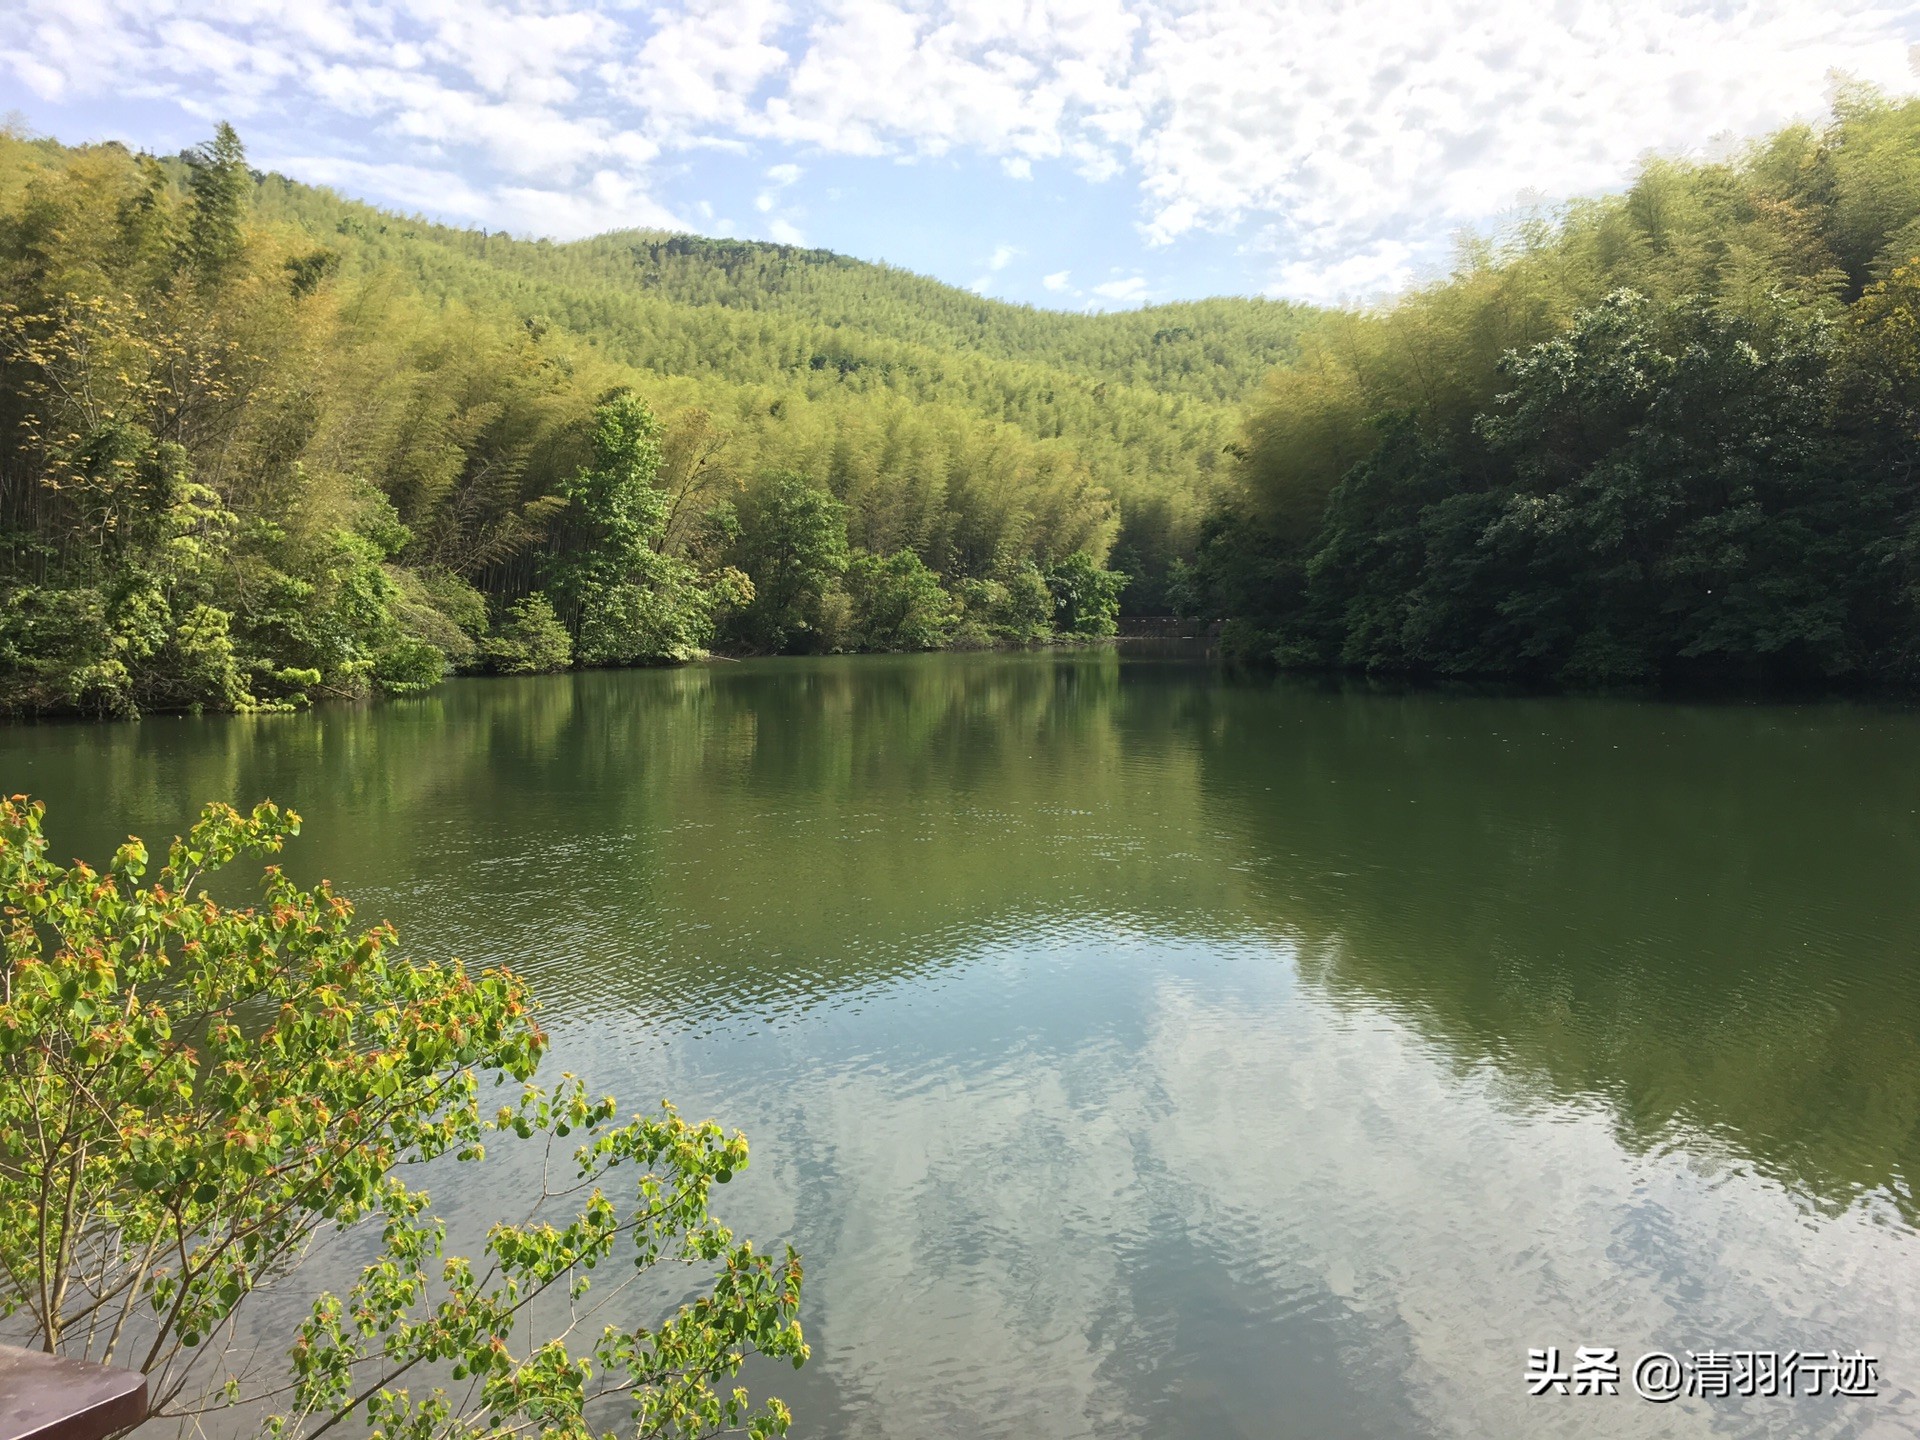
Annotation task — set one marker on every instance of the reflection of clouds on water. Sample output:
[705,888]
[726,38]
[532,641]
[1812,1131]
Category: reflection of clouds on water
[955,1288]
[1477,1232]
[1243,1211]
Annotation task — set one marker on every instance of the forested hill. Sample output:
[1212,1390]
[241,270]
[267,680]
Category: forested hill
[261,444]
[1667,435]
[858,312]
[1151,400]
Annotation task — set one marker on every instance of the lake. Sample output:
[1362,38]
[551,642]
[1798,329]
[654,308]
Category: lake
[1132,1050]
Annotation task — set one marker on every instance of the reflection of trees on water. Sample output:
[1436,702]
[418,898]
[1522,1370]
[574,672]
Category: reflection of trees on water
[1704,917]
[716,838]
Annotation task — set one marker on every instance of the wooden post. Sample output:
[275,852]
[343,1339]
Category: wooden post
[49,1397]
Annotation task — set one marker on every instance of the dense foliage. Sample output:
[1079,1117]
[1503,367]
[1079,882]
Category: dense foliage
[904,396]
[1670,436]
[192,1092]
[259,445]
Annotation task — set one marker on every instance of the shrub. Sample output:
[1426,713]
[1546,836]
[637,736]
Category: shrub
[532,642]
[207,1089]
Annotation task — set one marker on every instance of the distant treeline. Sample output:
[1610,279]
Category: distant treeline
[259,445]
[1666,436]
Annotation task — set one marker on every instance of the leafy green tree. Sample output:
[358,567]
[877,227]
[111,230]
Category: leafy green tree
[1086,597]
[621,514]
[665,619]
[220,187]
[130,621]
[632,604]
[793,546]
[442,610]
[532,641]
[1362,581]
[898,603]
[1665,491]
[190,1092]
[1017,608]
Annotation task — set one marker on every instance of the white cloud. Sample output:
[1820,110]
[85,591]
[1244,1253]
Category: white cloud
[703,63]
[997,262]
[422,187]
[500,102]
[779,178]
[1360,122]
[1058,280]
[1340,130]
[608,200]
[604,201]
[1368,273]
[1129,291]
[782,227]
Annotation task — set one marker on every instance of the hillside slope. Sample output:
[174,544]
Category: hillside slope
[1149,400]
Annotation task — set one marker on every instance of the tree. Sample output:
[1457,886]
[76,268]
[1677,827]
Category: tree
[219,186]
[218,389]
[898,603]
[793,546]
[190,1092]
[531,642]
[1086,597]
[630,603]
[1362,578]
[691,476]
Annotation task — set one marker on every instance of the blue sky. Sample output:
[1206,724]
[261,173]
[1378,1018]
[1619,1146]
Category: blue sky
[1067,153]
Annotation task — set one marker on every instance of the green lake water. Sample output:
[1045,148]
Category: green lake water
[1135,1051]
